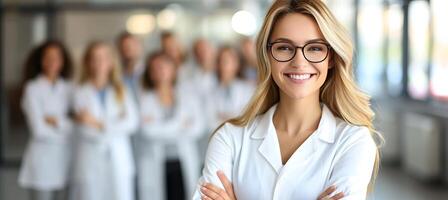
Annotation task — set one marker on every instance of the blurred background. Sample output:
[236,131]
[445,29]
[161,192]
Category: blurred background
[401,61]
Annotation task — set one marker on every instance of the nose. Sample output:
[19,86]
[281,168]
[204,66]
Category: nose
[299,59]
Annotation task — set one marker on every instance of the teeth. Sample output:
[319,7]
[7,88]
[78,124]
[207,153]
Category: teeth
[299,76]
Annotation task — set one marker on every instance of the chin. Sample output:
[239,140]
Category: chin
[298,95]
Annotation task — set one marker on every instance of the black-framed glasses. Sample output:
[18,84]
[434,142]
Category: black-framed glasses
[314,52]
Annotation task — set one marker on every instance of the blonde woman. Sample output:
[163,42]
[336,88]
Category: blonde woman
[307,132]
[106,116]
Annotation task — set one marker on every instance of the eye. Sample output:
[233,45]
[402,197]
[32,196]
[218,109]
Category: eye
[315,48]
[284,47]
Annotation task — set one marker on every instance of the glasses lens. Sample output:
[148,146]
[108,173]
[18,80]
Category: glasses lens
[283,51]
[315,52]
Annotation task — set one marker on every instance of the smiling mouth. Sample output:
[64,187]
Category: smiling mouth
[302,76]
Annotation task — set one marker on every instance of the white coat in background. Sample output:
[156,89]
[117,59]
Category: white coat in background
[104,163]
[204,83]
[337,153]
[181,129]
[185,72]
[46,162]
[227,102]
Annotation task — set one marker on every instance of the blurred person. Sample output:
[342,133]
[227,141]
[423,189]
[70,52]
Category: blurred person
[171,125]
[106,116]
[46,105]
[172,46]
[232,93]
[204,82]
[130,49]
[308,131]
[204,77]
[247,48]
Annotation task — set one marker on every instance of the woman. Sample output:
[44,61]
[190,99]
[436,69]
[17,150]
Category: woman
[171,125]
[45,103]
[307,132]
[232,93]
[106,115]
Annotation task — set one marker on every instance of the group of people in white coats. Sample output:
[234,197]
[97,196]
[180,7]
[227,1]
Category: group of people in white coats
[110,132]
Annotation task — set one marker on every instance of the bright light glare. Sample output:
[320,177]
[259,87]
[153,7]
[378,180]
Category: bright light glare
[140,24]
[243,22]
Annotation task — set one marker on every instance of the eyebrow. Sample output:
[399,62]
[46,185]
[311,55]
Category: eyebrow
[306,42]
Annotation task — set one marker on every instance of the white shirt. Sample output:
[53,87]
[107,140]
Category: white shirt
[337,153]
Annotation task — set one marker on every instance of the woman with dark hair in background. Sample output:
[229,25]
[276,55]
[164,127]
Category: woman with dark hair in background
[171,126]
[232,93]
[46,103]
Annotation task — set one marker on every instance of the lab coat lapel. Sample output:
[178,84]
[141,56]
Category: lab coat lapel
[269,147]
[95,107]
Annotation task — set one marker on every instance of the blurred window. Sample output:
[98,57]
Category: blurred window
[419,43]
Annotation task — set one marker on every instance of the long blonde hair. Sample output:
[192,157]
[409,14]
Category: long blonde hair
[114,75]
[339,92]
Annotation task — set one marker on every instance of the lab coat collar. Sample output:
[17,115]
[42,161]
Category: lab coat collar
[325,130]
[270,147]
[44,81]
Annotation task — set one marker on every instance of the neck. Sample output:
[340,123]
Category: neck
[206,66]
[163,88]
[99,82]
[297,117]
[165,94]
[129,67]
[226,82]
[51,79]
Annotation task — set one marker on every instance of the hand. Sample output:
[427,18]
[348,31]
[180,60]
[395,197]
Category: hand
[326,194]
[51,121]
[84,117]
[210,191]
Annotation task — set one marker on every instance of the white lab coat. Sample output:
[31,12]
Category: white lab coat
[182,129]
[104,161]
[337,153]
[229,101]
[46,160]
[204,83]
[185,72]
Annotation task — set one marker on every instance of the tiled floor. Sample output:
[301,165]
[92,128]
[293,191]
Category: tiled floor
[392,184]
